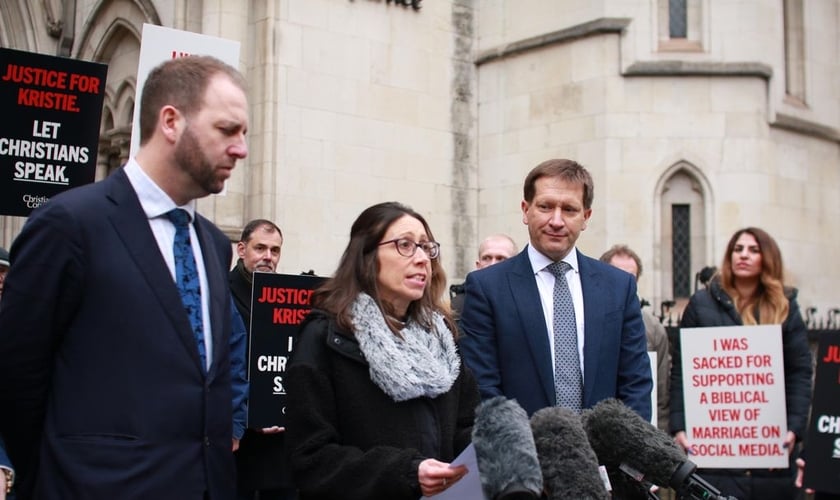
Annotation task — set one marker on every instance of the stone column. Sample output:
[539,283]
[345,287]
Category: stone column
[264,80]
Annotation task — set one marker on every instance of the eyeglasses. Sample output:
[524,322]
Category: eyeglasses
[408,248]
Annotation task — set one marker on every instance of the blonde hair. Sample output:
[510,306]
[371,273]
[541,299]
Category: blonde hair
[769,301]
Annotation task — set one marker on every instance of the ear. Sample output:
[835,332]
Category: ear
[586,215]
[170,123]
[240,250]
[525,207]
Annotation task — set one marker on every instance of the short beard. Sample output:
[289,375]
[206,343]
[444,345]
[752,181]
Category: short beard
[191,159]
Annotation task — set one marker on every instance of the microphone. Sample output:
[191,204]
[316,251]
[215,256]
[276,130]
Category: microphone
[504,448]
[568,463]
[624,440]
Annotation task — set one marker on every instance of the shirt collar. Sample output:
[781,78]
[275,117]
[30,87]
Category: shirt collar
[539,261]
[153,199]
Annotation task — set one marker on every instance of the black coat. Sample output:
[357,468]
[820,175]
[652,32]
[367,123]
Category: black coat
[713,307]
[347,438]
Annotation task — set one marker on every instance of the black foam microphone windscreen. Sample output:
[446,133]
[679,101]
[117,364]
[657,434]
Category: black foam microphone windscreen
[569,465]
[620,436]
[504,447]
[624,440]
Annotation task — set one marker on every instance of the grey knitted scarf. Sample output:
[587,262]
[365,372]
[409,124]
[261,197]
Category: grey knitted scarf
[422,363]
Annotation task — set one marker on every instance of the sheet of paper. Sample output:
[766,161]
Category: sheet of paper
[469,486]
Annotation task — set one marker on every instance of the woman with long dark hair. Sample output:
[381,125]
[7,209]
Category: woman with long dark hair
[379,401]
[750,290]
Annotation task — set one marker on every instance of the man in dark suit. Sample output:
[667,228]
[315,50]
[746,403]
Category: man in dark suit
[509,341]
[263,471]
[112,388]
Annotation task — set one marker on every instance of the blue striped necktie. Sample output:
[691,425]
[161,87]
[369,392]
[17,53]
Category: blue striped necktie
[186,277]
[568,382]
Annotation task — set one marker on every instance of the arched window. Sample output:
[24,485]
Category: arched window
[684,205]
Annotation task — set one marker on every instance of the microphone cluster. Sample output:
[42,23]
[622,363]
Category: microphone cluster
[556,455]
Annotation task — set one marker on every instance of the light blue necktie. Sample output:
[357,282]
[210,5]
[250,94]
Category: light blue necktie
[186,277]
[568,382]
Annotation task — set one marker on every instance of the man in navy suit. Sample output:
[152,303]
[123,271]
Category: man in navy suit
[105,391]
[507,320]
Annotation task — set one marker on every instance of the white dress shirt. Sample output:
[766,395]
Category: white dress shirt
[156,203]
[545,284]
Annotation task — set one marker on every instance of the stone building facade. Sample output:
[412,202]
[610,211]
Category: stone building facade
[696,118]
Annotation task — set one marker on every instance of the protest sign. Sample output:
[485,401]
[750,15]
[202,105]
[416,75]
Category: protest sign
[823,448]
[49,139]
[734,390]
[159,44]
[279,302]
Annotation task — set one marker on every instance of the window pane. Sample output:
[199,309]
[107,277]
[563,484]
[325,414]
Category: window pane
[677,19]
[681,250]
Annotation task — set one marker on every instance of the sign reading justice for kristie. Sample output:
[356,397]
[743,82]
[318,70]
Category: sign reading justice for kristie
[734,389]
[279,303]
[50,132]
[823,450]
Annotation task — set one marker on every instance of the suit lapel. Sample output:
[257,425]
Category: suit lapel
[132,227]
[592,284]
[526,296]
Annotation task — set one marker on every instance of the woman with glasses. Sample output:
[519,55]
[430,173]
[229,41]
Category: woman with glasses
[749,290]
[379,401]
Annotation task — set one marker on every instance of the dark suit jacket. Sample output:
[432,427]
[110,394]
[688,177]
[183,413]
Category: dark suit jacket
[101,373]
[505,338]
